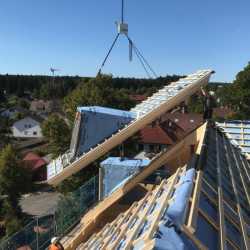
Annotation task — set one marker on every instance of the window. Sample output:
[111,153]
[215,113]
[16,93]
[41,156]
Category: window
[34,133]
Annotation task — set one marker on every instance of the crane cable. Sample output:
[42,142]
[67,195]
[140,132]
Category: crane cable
[106,57]
[140,56]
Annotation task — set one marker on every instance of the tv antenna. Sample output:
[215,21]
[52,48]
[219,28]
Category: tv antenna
[122,29]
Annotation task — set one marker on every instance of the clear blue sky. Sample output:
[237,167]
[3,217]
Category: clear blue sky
[74,35]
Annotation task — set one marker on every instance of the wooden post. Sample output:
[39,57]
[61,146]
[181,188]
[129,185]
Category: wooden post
[100,193]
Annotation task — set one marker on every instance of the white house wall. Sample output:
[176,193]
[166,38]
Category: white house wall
[27,128]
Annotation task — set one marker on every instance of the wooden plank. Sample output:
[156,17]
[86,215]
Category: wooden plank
[192,219]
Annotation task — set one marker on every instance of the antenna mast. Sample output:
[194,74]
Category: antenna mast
[122,28]
[53,70]
[122,11]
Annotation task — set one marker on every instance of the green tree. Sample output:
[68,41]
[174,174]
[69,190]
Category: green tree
[97,91]
[14,181]
[241,92]
[23,103]
[4,131]
[57,133]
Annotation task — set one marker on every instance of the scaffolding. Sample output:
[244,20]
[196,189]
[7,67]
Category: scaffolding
[71,207]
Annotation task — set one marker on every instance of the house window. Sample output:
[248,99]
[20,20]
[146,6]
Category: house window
[25,125]
[141,147]
[151,147]
[29,125]
[34,133]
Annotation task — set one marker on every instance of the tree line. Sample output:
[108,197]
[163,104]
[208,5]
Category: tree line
[46,87]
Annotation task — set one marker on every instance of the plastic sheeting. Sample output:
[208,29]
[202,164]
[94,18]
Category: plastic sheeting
[117,171]
[168,238]
[177,210]
[97,124]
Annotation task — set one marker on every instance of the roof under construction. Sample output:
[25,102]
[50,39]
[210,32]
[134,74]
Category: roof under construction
[204,204]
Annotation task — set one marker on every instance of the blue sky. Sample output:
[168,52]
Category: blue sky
[74,35]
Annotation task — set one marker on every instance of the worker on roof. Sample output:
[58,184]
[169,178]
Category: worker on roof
[55,244]
[208,104]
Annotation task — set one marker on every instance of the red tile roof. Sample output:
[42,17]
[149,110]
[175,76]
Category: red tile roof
[138,98]
[173,127]
[34,161]
[155,135]
[188,121]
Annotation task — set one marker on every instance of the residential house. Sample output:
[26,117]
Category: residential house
[154,139]
[11,113]
[41,106]
[167,130]
[36,165]
[28,127]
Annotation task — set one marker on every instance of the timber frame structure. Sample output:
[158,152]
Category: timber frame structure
[151,109]
[214,219]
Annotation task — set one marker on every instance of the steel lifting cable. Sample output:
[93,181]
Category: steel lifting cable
[141,61]
[141,55]
[106,57]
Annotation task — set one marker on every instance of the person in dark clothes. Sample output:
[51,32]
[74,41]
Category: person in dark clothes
[208,104]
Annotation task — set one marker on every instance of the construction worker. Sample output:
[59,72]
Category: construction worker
[208,104]
[55,244]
